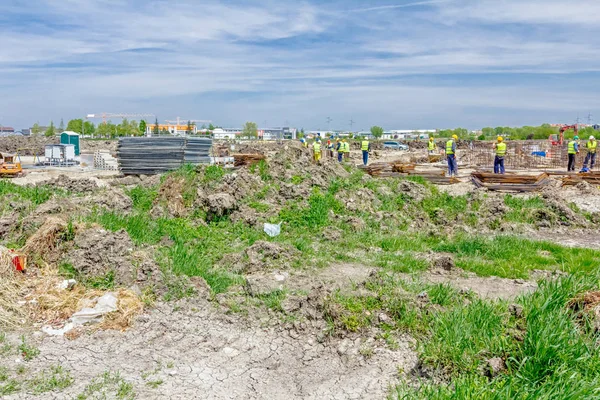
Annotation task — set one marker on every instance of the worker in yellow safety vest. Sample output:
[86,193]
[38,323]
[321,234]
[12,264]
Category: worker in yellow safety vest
[573,150]
[317,150]
[451,155]
[500,148]
[591,147]
[346,149]
[431,146]
[365,146]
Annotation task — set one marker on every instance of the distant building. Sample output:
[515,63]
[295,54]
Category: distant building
[6,129]
[226,133]
[173,129]
[277,133]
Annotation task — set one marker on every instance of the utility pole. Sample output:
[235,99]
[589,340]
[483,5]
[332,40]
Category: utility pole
[589,118]
[328,122]
[352,122]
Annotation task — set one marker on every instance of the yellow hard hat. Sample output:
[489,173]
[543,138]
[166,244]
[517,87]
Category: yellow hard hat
[431,138]
[343,140]
[500,138]
[454,137]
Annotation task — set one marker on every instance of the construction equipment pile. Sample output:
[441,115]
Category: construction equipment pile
[157,155]
[398,168]
[509,182]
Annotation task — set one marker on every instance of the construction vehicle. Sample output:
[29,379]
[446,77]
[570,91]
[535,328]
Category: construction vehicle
[558,140]
[9,167]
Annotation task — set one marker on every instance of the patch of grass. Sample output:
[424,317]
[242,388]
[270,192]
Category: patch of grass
[36,194]
[108,385]
[259,207]
[521,208]
[317,213]
[443,294]
[273,299]
[298,179]
[263,171]
[442,207]
[54,379]
[556,359]
[103,282]
[10,386]
[213,173]
[3,374]
[406,263]
[142,198]
[28,351]
[155,384]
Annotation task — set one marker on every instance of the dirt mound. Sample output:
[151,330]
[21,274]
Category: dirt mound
[111,198]
[46,240]
[170,198]
[98,253]
[260,256]
[220,205]
[89,146]
[26,145]
[71,185]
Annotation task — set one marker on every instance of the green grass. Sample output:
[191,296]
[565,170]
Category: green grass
[102,282]
[521,209]
[213,173]
[27,351]
[556,359]
[108,385]
[273,299]
[36,194]
[53,379]
[316,215]
[143,198]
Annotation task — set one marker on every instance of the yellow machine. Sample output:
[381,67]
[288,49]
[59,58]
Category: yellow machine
[9,167]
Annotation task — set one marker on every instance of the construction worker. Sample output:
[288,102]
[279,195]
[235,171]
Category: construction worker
[573,150]
[346,149]
[304,143]
[338,148]
[451,155]
[365,146]
[500,148]
[330,147]
[431,147]
[317,150]
[590,146]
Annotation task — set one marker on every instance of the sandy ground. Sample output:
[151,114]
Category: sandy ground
[198,352]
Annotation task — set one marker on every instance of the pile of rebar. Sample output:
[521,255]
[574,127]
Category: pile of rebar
[592,178]
[509,182]
[240,160]
[157,155]
[397,168]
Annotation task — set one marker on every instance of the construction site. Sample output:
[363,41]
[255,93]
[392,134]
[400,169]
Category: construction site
[184,267]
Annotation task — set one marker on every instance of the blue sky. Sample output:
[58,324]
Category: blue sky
[399,64]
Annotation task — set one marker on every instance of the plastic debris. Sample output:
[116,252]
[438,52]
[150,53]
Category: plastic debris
[67,284]
[272,230]
[105,304]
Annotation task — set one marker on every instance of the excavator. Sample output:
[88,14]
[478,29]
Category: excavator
[9,167]
[558,140]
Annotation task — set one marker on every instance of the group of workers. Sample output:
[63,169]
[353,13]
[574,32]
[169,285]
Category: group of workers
[590,157]
[342,147]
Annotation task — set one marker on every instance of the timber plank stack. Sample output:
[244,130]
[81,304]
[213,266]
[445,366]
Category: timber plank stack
[593,178]
[510,182]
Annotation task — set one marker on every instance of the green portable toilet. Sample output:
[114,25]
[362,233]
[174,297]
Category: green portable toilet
[69,137]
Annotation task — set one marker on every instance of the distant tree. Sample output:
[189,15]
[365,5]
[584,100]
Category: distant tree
[481,137]
[75,125]
[300,135]
[35,129]
[203,126]
[61,127]
[377,131]
[156,130]
[250,130]
[106,130]
[50,132]
[142,127]
[190,128]
[89,128]
[211,127]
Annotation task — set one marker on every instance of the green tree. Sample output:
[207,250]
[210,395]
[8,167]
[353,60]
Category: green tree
[211,127]
[250,130]
[61,127]
[50,132]
[106,129]
[35,129]
[75,125]
[89,128]
[142,127]
[190,128]
[377,131]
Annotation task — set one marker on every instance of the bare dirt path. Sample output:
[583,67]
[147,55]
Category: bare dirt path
[197,352]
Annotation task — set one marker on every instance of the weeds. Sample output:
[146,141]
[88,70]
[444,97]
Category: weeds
[54,379]
[142,198]
[28,351]
[36,194]
[108,385]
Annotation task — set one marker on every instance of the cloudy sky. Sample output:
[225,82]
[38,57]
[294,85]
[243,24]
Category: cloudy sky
[399,64]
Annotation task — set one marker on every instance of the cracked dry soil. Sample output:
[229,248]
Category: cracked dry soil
[199,353]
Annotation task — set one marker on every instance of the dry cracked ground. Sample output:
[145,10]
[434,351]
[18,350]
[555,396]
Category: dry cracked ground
[375,289]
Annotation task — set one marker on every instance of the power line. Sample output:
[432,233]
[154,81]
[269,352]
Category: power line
[328,122]
[352,122]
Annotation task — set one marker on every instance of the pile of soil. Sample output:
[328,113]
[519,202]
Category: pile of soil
[261,256]
[71,185]
[26,145]
[89,146]
[98,253]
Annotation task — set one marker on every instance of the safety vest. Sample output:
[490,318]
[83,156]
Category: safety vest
[431,145]
[449,150]
[501,149]
[365,145]
[591,146]
[572,147]
[317,147]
